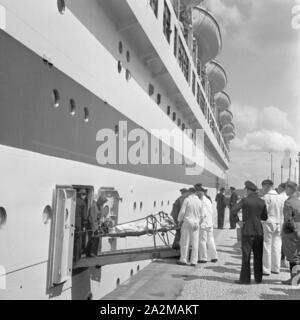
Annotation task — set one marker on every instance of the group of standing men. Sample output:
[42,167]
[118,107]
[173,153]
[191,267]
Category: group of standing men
[270,225]
[193,212]
[87,220]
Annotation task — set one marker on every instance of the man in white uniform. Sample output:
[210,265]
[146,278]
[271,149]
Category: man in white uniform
[207,247]
[272,229]
[189,218]
[283,196]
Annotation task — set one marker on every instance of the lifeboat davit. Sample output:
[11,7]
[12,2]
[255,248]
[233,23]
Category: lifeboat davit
[216,76]
[226,117]
[207,33]
[222,101]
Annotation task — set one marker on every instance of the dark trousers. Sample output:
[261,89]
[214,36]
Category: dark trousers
[221,216]
[282,254]
[249,244]
[92,246]
[232,220]
[77,245]
[291,247]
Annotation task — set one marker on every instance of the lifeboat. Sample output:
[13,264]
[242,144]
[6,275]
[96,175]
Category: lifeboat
[225,117]
[190,3]
[207,33]
[229,136]
[222,101]
[227,128]
[216,76]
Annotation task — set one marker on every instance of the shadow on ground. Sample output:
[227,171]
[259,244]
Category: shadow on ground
[283,294]
[221,269]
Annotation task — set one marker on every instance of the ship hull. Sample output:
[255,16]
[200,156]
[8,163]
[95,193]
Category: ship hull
[42,146]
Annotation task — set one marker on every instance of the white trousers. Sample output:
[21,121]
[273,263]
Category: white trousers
[189,235]
[272,248]
[207,247]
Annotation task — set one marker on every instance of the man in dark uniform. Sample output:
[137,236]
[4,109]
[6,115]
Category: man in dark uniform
[175,212]
[80,223]
[291,229]
[254,210]
[232,202]
[221,206]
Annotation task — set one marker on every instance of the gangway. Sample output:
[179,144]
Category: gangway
[154,228]
[127,255]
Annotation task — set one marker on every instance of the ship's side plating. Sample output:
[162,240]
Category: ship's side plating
[76,55]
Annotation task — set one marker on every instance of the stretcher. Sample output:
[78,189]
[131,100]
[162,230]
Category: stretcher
[159,223]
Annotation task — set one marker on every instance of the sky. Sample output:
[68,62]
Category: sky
[261,54]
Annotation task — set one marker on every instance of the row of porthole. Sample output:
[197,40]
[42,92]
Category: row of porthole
[72,106]
[118,282]
[47,212]
[127,72]
[158,101]
[121,51]
[154,204]
[151,92]
[47,215]
[61,5]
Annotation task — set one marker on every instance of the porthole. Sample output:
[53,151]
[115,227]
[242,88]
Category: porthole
[72,107]
[86,115]
[179,122]
[168,110]
[61,6]
[128,56]
[47,214]
[3,217]
[162,203]
[154,204]
[138,268]
[128,75]
[120,47]
[141,205]
[56,98]
[134,206]
[151,89]
[119,66]
[118,282]
[158,99]
[168,202]
[131,272]
[183,127]
[174,116]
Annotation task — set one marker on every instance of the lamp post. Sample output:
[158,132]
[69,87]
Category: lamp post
[290,168]
[299,169]
[272,174]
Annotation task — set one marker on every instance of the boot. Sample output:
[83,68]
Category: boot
[289,281]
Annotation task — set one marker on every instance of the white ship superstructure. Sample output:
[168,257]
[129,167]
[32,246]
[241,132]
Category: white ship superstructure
[71,68]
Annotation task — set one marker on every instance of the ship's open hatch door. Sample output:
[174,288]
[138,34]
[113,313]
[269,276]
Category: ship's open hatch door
[62,240]
[111,213]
